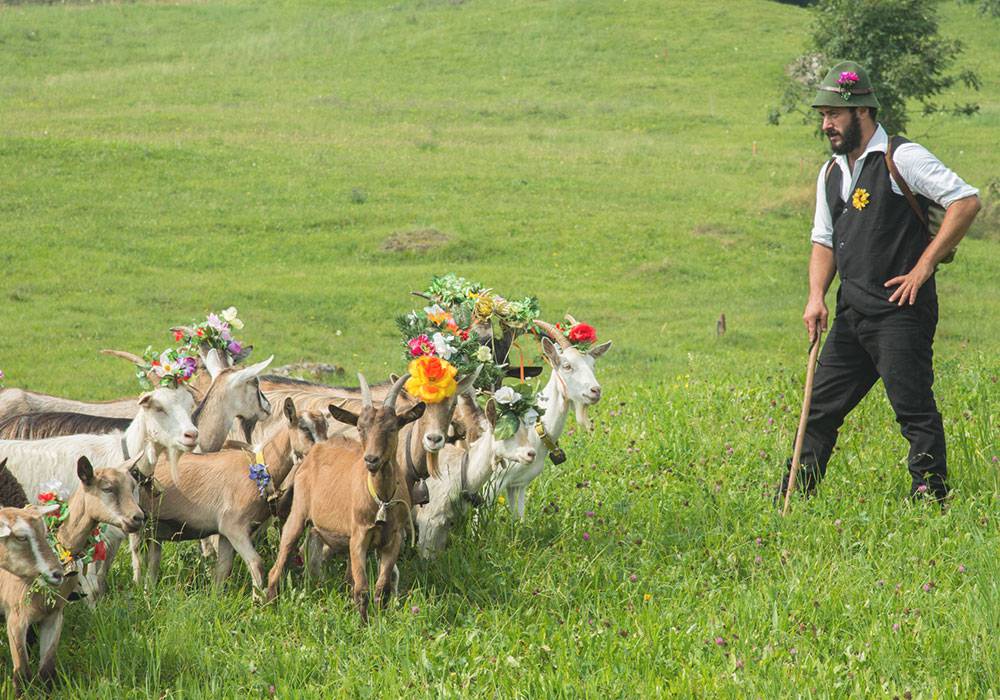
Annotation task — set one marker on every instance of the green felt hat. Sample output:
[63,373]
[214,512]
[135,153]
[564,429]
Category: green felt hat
[846,85]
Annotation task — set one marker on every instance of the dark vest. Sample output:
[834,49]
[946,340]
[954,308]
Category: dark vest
[877,242]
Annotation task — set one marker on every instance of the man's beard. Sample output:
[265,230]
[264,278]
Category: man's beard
[850,139]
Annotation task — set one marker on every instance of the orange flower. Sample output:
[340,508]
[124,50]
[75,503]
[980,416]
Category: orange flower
[432,379]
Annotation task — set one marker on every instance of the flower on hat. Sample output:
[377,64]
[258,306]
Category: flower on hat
[432,379]
[847,80]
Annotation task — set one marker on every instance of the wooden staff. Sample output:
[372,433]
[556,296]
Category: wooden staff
[801,434]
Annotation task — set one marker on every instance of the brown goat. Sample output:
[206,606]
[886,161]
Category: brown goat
[355,496]
[216,496]
[106,496]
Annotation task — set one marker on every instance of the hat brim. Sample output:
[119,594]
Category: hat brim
[826,98]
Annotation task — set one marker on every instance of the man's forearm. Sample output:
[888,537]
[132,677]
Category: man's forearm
[957,220]
[822,268]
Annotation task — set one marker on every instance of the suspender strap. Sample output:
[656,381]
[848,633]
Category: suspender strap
[903,187]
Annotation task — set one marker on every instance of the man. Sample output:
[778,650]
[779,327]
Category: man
[866,230]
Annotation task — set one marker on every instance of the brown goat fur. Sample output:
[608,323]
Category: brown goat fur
[331,491]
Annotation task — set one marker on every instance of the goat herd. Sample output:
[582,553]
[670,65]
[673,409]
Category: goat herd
[203,454]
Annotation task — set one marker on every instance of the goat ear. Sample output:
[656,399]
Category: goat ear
[468,382]
[248,373]
[491,412]
[411,414]
[145,399]
[242,355]
[85,470]
[3,464]
[393,377]
[342,414]
[551,352]
[4,530]
[289,409]
[599,350]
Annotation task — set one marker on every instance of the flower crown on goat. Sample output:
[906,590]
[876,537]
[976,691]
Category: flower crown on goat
[434,333]
[432,379]
[216,331]
[580,335]
[170,368]
[515,405]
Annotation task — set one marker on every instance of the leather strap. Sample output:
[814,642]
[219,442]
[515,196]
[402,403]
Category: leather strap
[473,498]
[411,467]
[904,188]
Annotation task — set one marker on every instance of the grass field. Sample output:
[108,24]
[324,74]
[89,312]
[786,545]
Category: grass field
[159,160]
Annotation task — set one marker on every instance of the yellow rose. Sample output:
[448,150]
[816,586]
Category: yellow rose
[432,379]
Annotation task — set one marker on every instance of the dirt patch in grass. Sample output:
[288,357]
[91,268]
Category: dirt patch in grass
[415,241]
[727,237]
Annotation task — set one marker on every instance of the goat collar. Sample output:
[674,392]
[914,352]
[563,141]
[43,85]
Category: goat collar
[384,506]
[411,467]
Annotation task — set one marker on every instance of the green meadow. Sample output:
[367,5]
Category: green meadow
[160,160]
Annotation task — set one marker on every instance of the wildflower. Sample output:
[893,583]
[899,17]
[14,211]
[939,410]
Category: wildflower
[501,500]
[589,514]
[415,609]
[739,663]
[720,642]
[961,568]
[759,542]
[586,537]
[483,354]
[633,578]
[895,627]
[648,597]
[928,586]
[922,488]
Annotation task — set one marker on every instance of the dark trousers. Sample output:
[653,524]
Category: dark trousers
[897,348]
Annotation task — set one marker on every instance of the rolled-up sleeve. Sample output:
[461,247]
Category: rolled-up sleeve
[928,176]
[822,231]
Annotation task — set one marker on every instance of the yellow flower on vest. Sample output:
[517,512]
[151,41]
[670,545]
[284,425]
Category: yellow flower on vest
[860,199]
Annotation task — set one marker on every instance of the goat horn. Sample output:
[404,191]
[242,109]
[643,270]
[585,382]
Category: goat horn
[390,399]
[366,392]
[554,334]
[572,321]
[125,355]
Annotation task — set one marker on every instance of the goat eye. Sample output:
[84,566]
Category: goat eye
[21,538]
[108,489]
[567,366]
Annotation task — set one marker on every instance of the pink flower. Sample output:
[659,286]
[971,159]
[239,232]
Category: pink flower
[421,345]
[928,586]
[847,78]
[586,537]
[961,568]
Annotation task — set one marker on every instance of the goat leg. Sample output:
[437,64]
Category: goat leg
[387,558]
[17,640]
[359,555]
[224,561]
[241,542]
[290,534]
[49,631]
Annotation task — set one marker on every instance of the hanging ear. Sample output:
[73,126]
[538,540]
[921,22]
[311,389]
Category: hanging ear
[599,350]
[342,414]
[85,470]
[411,414]
[491,412]
[551,352]
[289,409]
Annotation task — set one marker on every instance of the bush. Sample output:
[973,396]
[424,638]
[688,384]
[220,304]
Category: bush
[897,41]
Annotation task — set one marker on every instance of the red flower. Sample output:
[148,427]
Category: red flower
[100,551]
[46,497]
[199,332]
[463,334]
[582,333]
[178,336]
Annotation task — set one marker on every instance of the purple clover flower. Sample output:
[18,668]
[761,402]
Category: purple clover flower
[234,347]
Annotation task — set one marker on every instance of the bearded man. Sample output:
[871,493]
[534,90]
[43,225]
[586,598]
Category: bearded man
[866,230]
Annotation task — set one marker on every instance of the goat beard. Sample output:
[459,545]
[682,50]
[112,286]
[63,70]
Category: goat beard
[173,456]
[432,464]
[581,416]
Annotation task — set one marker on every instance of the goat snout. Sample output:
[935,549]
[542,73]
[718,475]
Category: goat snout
[133,524]
[372,462]
[594,393]
[54,577]
[190,437]
[434,441]
[529,455]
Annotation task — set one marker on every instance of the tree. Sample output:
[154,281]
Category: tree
[897,41]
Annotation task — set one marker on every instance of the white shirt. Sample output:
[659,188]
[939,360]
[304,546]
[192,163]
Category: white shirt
[924,173]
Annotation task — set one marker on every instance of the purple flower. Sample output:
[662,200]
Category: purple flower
[847,78]
[633,578]
[586,537]
[895,626]
[414,609]
[995,458]
[589,514]
[234,347]
[189,366]
[961,568]
[928,586]
[922,488]
[225,334]
[759,541]
[215,322]
[720,642]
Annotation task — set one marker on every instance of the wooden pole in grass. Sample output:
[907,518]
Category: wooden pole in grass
[801,434]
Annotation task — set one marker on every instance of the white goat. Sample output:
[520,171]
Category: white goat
[463,474]
[572,383]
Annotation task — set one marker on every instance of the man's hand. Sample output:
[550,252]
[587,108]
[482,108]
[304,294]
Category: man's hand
[815,317]
[909,284]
